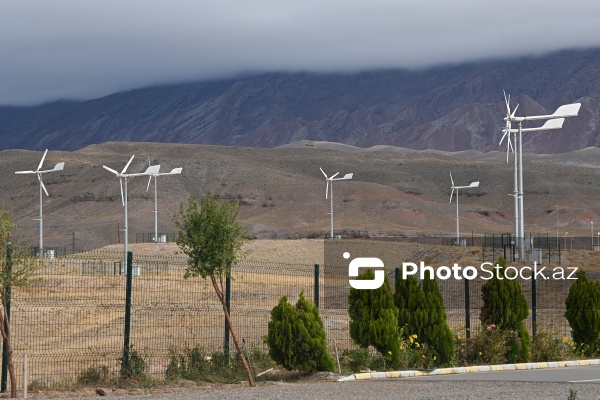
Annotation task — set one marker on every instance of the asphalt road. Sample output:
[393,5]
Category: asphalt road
[531,385]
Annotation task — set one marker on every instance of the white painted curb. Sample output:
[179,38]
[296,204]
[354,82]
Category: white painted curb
[464,370]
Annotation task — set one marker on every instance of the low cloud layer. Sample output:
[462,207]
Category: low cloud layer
[79,49]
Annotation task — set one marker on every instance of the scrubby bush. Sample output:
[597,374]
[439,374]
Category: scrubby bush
[296,337]
[505,306]
[422,313]
[583,313]
[374,318]
[134,367]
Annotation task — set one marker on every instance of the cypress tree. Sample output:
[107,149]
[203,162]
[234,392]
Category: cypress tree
[505,306]
[422,312]
[296,337]
[583,313]
[374,318]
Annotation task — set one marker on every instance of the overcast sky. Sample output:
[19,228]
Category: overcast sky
[54,49]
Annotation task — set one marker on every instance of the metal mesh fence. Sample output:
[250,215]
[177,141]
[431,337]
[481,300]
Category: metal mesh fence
[72,317]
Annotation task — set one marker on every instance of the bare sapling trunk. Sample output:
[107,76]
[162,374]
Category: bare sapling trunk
[219,291]
[5,331]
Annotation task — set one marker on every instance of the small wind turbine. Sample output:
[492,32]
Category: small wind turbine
[472,185]
[39,172]
[329,190]
[174,171]
[123,178]
[553,121]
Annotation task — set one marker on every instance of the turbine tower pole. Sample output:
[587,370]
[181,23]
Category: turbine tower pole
[155,210]
[516,194]
[521,219]
[331,212]
[457,225]
[125,228]
[41,219]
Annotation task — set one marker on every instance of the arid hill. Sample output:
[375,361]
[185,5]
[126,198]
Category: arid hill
[282,192]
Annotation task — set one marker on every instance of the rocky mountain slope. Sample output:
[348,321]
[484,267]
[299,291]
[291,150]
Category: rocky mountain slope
[453,107]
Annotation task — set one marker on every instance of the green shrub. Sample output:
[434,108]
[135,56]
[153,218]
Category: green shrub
[487,346]
[374,318]
[196,365]
[296,337]
[583,313]
[134,368]
[422,312]
[505,306]
[94,376]
[547,347]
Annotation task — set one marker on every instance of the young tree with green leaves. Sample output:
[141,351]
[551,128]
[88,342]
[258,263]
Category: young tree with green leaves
[374,318]
[17,269]
[297,338]
[505,306]
[212,238]
[583,313]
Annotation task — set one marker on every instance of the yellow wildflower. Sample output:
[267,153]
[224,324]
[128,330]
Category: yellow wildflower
[434,358]
[417,344]
[479,353]
[390,353]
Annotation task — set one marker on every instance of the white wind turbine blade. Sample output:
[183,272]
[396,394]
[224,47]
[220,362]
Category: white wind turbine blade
[507,102]
[514,111]
[334,175]
[149,180]
[451,180]
[324,174]
[122,197]
[42,185]
[58,167]
[24,172]
[42,161]
[111,170]
[127,166]
[345,177]
[451,193]
[327,189]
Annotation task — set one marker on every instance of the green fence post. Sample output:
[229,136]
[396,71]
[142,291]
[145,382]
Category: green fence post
[126,336]
[228,306]
[316,293]
[533,306]
[3,383]
[467,310]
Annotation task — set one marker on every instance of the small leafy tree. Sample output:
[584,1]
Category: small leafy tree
[212,238]
[583,313]
[17,269]
[505,306]
[374,318]
[297,338]
[422,312]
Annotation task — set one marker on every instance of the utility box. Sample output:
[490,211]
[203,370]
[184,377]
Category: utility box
[535,256]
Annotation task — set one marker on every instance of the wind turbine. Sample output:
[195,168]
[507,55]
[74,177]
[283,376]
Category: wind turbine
[472,185]
[39,173]
[123,178]
[329,190]
[553,121]
[174,171]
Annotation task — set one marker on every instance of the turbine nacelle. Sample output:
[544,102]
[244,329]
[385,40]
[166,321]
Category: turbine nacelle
[58,167]
[151,170]
[333,178]
[471,185]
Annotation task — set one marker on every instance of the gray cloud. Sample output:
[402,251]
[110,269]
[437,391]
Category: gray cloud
[82,49]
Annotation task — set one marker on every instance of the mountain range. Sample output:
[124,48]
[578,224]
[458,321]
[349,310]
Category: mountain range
[450,108]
